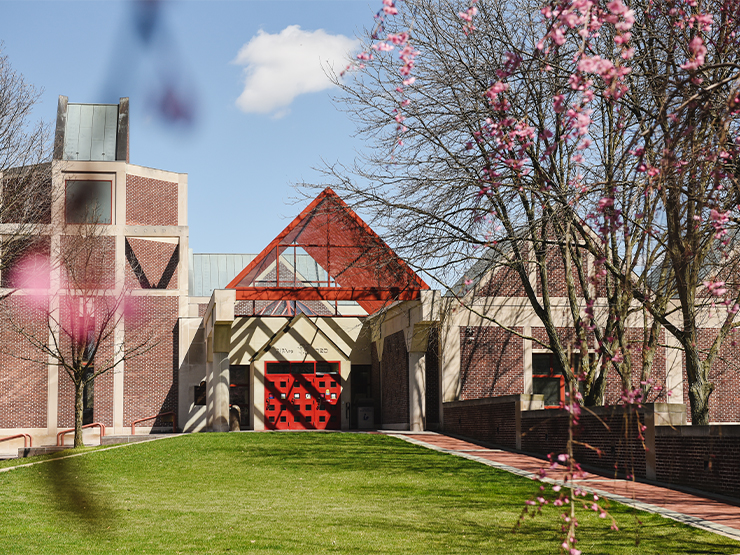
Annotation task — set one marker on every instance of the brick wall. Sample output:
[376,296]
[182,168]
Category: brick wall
[150,201]
[610,431]
[26,263]
[491,362]
[505,282]
[89,262]
[724,402]
[23,384]
[702,457]
[635,338]
[151,264]
[556,278]
[394,381]
[487,420]
[150,380]
[103,388]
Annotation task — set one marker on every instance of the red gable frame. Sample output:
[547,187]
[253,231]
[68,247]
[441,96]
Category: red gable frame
[360,265]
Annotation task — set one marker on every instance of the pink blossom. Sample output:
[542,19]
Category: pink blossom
[716,288]
[698,51]
[382,46]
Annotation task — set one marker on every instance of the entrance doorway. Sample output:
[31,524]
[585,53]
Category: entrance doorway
[302,396]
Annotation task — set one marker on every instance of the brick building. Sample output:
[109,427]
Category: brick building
[140,219]
[325,328]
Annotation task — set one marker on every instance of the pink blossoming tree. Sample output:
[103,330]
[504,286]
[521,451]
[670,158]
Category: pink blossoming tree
[606,131]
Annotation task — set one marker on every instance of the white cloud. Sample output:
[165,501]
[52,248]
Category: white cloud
[282,66]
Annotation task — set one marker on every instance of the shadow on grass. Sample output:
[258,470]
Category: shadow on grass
[77,494]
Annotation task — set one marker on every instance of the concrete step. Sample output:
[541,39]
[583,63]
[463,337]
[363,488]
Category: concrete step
[43,450]
[111,440]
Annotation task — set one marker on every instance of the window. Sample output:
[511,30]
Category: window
[319,368]
[89,202]
[548,379]
[88,399]
[199,395]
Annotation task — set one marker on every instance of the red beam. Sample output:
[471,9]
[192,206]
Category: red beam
[325,294]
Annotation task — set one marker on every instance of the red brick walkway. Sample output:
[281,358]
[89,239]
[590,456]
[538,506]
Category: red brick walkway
[701,512]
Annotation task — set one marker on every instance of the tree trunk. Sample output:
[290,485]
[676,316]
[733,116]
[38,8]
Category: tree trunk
[79,391]
[597,393]
[699,388]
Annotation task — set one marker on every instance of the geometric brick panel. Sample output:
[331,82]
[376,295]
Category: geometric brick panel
[150,380]
[491,362]
[151,264]
[23,384]
[150,201]
[103,327]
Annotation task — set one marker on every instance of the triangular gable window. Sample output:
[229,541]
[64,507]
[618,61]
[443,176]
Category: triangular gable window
[328,254]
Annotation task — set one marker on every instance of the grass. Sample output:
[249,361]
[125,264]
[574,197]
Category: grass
[298,493]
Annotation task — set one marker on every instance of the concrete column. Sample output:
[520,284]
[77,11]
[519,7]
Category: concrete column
[220,382]
[52,384]
[257,393]
[417,391]
[674,369]
[344,396]
[209,394]
[527,362]
[118,371]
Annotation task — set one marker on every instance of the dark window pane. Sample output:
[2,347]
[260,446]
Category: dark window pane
[89,202]
[545,364]
[549,387]
[301,367]
[239,375]
[199,395]
[327,368]
[278,368]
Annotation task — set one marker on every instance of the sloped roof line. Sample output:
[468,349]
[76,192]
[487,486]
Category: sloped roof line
[389,272]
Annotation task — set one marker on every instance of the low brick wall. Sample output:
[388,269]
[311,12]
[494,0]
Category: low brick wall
[706,458]
[701,457]
[492,420]
[607,437]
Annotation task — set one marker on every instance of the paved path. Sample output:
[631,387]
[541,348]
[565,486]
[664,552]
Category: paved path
[715,516]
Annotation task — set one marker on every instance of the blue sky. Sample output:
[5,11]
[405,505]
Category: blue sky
[243,146]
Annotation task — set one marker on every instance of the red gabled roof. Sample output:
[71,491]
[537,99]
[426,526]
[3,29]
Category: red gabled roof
[361,266]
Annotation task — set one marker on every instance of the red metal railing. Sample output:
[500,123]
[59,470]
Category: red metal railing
[174,421]
[24,436]
[60,435]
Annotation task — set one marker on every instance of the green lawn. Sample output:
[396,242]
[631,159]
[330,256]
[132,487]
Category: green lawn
[297,493]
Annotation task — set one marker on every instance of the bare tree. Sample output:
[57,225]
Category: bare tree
[91,321]
[448,198]
[25,168]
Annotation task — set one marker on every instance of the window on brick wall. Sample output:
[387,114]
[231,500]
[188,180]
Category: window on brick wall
[89,202]
[548,379]
[88,394]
